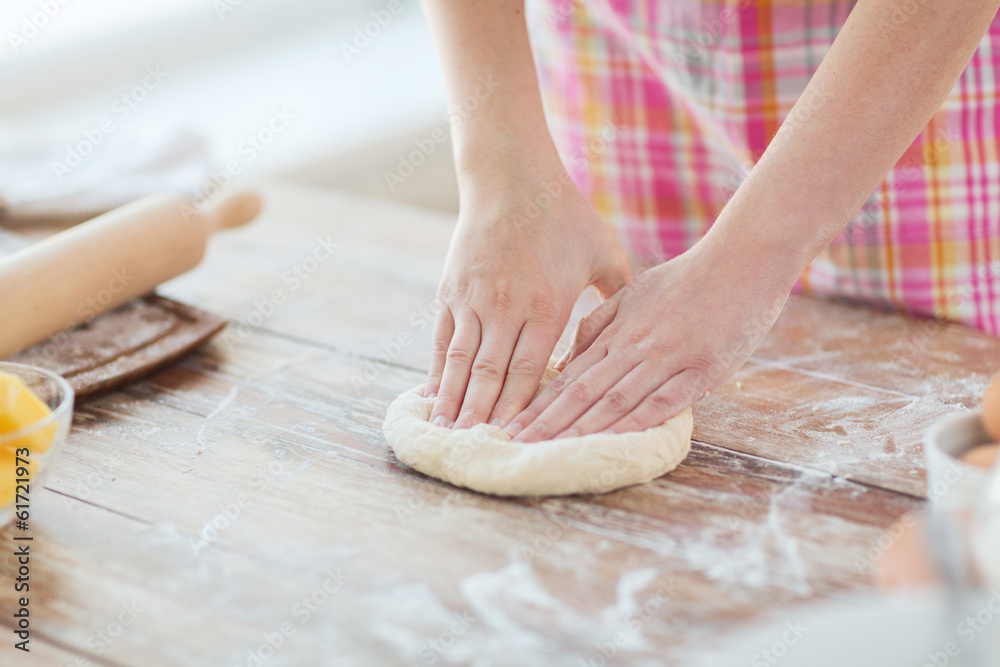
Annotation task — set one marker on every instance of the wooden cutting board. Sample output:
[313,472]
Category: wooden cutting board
[121,346]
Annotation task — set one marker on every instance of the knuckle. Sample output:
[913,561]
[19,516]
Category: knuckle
[524,366]
[578,392]
[586,327]
[699,379]
[661,402]
[616,400]
[703,363]
[459,355]
[545,310]
[447,291]
[639,337]
[487,369]
[559,383]
[440,348]
[503,297]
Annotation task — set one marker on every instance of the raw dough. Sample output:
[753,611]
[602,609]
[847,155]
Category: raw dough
[484,459]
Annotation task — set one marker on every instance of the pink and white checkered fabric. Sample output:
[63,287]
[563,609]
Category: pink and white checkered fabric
[660,107]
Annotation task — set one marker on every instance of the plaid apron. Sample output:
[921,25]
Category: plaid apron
[660,107]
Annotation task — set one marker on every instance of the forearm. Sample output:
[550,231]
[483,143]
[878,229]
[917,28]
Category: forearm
[488,39]
[878,86]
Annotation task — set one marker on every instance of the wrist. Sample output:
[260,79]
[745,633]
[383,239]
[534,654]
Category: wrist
[506,167]
[742,254]
[763,229]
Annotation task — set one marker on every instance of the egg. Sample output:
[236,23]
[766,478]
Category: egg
[991,409]
[983,456]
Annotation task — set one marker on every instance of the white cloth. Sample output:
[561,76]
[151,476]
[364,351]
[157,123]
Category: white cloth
[44,179]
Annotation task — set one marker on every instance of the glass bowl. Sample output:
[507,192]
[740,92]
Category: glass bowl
[34,447]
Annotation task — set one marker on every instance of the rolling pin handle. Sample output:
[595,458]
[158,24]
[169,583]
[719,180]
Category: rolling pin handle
[235,210]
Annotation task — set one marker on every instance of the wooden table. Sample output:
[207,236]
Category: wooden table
[242,508]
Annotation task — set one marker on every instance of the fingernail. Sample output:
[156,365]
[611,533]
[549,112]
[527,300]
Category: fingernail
[495,422]
[610,431]
[430,395]
[513,429]
[441,421]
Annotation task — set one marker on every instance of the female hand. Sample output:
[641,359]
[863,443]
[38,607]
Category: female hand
[513,273]
[657,346]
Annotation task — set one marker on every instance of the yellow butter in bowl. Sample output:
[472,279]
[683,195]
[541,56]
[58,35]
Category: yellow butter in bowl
[19,410]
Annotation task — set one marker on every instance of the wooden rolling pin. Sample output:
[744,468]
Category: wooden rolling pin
[96,266]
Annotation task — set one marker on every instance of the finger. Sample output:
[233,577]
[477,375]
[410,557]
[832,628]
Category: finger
[457,367]
[527,365]
[619,400]
[679,392]
[444,329]
[575,398]
[535,407]
[487,379]
[589,328]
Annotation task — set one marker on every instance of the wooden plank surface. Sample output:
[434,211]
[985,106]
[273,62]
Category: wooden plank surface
[220,495]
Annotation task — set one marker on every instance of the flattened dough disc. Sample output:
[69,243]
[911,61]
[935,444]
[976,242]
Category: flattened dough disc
[483,458]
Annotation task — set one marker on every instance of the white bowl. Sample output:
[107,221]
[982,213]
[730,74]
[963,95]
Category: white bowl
[951,483]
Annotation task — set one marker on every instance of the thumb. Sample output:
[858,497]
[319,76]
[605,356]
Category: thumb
[613,274]
[589,328]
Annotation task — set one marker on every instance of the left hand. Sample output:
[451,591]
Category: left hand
[659,344]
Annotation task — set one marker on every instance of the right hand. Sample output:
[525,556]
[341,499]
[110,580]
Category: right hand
[508,289]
